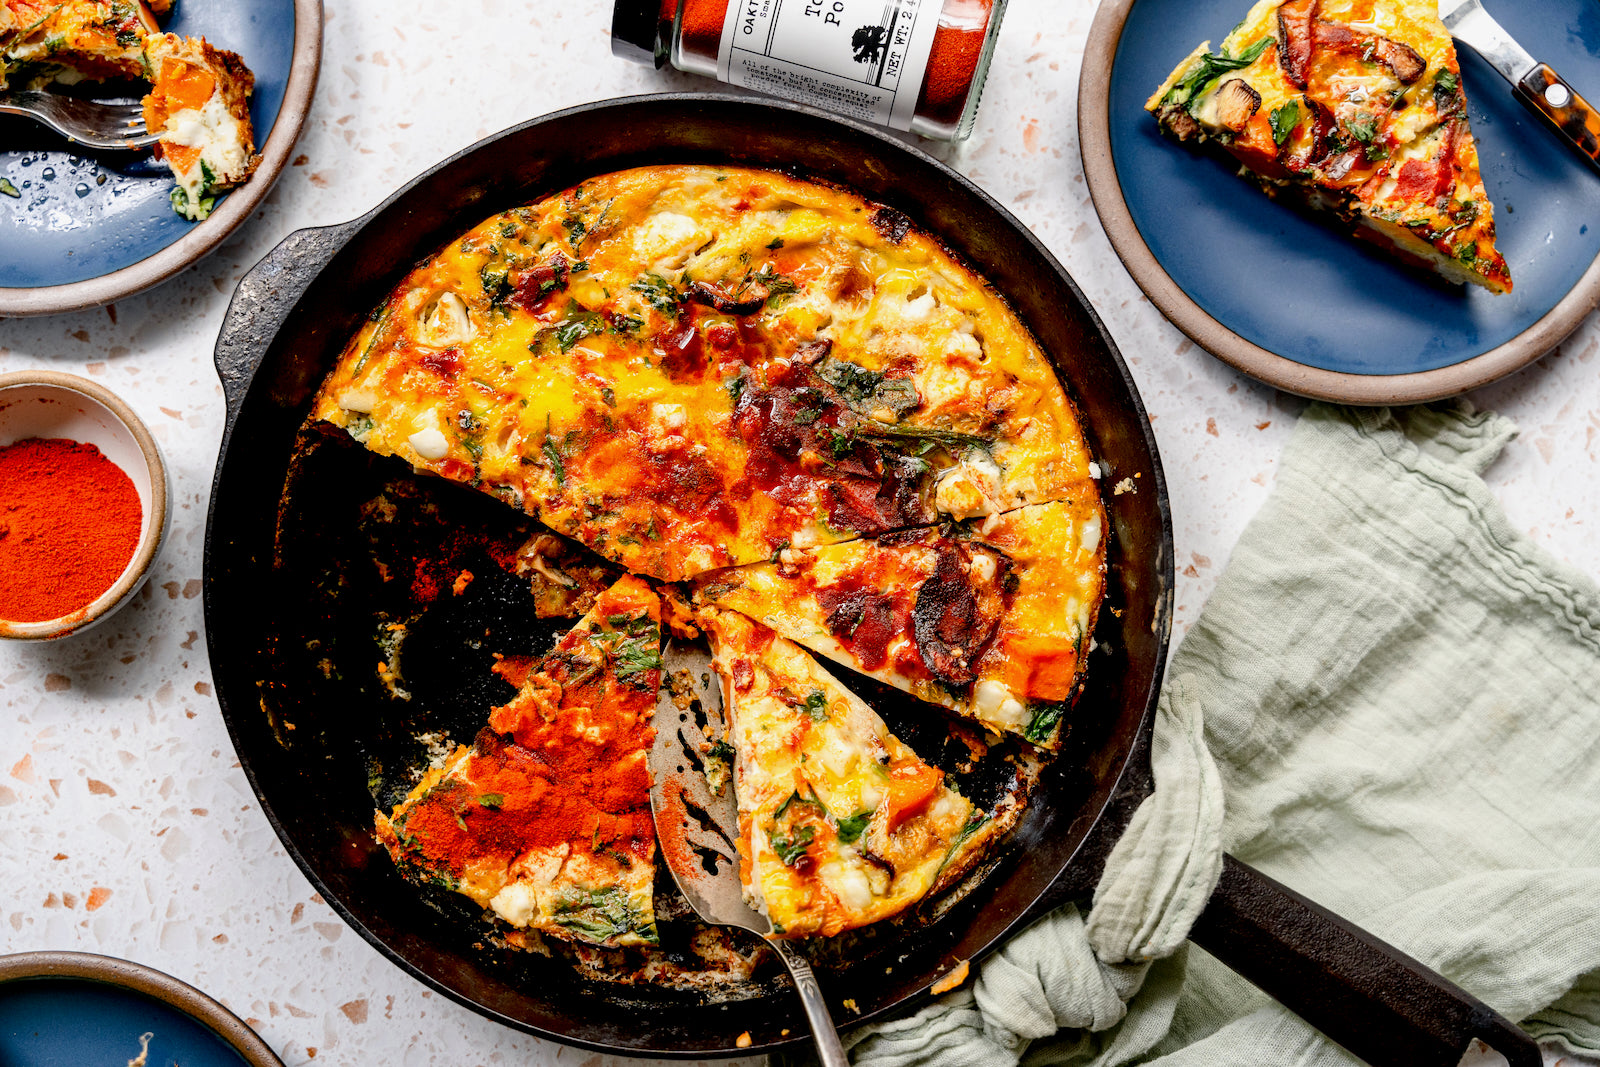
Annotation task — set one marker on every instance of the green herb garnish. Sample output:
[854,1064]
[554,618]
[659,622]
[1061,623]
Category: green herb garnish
[851,827]
[658,293]
[554,456]
[816,705]
[1043,725]
[1283,120]
[1212,67]
[790,849]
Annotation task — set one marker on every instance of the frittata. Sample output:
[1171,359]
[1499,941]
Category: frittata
[808,411]
[1356,108]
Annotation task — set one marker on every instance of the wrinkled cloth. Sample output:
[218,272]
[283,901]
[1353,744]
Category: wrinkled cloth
[1398,695]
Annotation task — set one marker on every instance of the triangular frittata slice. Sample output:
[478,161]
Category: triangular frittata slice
[992,621]
[1355,108]
[545,818]
[840,825]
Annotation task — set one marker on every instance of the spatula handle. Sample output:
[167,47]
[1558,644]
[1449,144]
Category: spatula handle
[1559,104]
[829,1051]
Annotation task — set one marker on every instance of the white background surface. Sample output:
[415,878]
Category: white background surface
[116,773]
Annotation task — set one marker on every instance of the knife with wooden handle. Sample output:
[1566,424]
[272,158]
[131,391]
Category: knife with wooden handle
[1536,84]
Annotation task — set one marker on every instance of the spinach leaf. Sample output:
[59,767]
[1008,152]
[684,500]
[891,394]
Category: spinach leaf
[1212,67]
[658,293]
[637,655]
[552,454]
[868,391]
[1043,725]
[578,325]
[600,914]
[816,705]
[1446,91]
[851,827]
[1283,121]
[790,849]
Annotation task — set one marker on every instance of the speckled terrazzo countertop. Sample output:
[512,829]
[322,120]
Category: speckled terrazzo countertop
[126,826]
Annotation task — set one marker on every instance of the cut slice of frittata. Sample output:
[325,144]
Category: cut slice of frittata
[1354,108]
[199,102]
[840,824]
[545,819]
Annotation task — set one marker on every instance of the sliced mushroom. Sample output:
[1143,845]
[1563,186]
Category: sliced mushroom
[1339,167]
[1236,104]
[958,609]
[748,302]
[1175,118]
[1402,60]
[1295,42]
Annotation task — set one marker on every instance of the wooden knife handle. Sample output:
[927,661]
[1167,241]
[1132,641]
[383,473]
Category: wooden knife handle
[1548,93]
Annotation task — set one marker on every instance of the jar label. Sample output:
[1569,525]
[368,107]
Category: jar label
[861,58]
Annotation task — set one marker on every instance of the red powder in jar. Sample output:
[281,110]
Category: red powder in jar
[957,45]
[69,524]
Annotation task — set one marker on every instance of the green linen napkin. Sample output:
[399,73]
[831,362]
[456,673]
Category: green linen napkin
[1399,697]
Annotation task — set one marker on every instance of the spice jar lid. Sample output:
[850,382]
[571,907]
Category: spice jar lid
[636,32]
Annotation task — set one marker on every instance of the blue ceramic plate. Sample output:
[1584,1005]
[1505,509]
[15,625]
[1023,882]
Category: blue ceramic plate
[1274,281]
[69,1009]
[82,221]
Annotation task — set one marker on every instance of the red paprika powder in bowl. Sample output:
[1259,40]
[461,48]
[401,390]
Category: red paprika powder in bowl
[906,64]
[84,506]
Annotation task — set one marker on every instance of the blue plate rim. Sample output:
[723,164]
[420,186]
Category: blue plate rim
[147,981]
[1105,191]
[304,69]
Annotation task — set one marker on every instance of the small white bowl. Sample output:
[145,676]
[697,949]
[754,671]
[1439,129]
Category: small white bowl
[52,404]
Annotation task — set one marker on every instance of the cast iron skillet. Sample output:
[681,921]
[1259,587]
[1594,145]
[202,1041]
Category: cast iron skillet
[284,330]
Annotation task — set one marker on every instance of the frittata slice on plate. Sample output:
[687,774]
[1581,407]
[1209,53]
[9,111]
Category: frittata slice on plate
[545,819]
[199,102]
[840,824]
[1354,108]
[991,621]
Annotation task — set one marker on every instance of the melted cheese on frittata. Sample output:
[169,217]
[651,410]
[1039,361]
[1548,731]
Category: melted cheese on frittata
[1025,591]
[689,368]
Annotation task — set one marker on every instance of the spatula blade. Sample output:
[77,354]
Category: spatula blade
[696,827]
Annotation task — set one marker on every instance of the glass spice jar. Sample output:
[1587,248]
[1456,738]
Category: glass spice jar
[915,65]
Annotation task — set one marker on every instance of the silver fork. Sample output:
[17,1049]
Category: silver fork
[105,124]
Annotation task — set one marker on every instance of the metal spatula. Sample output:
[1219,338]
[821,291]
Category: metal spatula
[697,829]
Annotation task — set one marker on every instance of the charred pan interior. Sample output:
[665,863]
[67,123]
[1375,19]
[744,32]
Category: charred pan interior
[425,612]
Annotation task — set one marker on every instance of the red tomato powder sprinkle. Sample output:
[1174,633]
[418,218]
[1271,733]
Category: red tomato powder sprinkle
[69,524]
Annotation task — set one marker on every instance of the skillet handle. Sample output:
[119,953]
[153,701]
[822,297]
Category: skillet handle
[1368,996]
[262,301]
